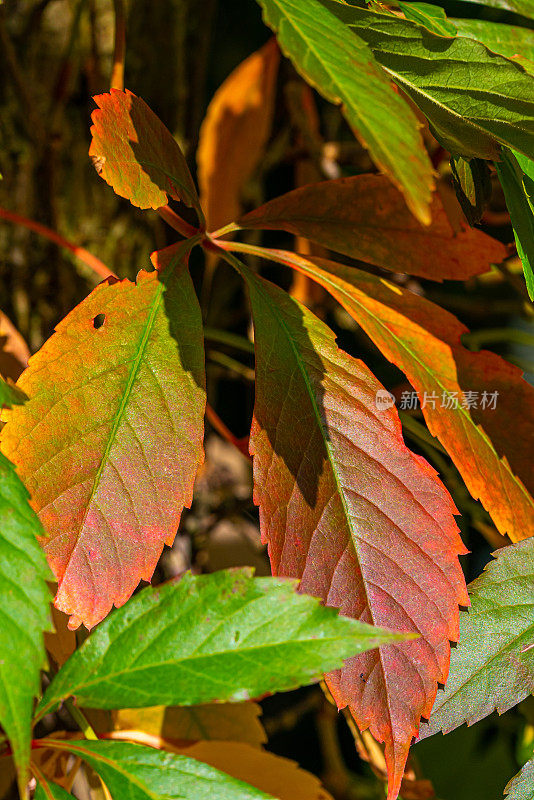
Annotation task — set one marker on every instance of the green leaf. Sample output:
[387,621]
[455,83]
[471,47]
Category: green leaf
[433,18]
[521,787]
[46,790]
[472,184]
[508,40]
[134,152]
[517,192]
[135,772]
[473,99]
[522,7]
[493,665]
[341,67]
[10,395]
[24,612]
[226,636]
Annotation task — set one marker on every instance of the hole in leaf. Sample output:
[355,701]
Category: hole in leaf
[99,321]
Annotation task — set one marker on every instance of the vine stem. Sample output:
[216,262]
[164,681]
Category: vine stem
[226,433]
[80,252]
[176,222]
[80,720]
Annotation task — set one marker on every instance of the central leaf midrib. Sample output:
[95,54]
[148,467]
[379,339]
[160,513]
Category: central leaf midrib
[331,462]
[147,330]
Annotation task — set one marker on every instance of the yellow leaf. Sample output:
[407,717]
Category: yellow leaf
[225,721]
[277,776]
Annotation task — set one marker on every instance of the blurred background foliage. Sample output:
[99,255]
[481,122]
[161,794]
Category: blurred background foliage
[54,56]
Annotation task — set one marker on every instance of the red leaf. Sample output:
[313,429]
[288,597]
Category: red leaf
[493,456]
[111,439]
[366,218]
[346,507]
[135,153]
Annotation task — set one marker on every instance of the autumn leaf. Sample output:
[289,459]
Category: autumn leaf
[14,352]
[237,722]
[492,668]
[271,773]
[110,442]
[234,133]
[521,787]
[347,508]
[61,643]
[134,152]
[471,396]
[366,218]
[221,746]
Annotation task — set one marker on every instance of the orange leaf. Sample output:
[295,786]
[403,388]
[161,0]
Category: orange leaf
[493,455]
[14,353]
[111,438]
[134,152]
[60,644]
[234,133]
[366,218]
[347,508]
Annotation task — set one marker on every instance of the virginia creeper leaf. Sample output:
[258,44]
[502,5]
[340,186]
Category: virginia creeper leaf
[134,152]
[234,133]
[10,395]
[433,18]
[46,790]
[24,609]
[522,7]
[110,442]
[346,507]
[516,192]
[137,772]
[472,184]
[508,40]
[343,69]
[365,217]
[492,666]
[521,787]
[225,636]
[235,722]
[493,457]
[489,101]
